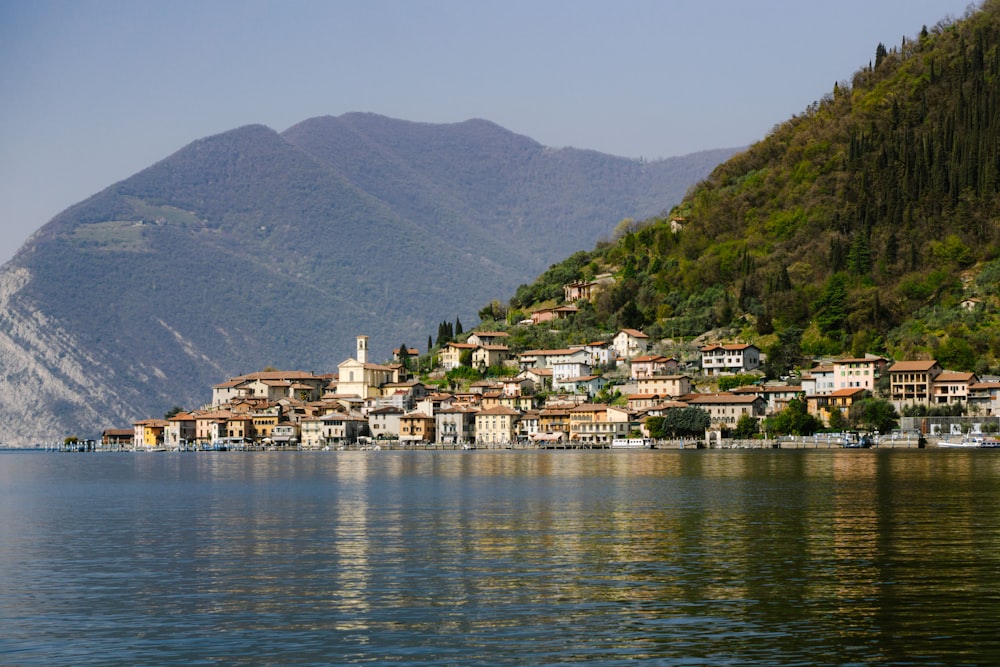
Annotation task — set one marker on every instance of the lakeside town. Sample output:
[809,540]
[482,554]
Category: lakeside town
[606,393]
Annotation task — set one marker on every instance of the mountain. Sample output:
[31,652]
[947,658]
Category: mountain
[255,248]
[868,223]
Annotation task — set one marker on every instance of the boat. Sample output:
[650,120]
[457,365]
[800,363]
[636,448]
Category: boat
[631,443]
[965,442]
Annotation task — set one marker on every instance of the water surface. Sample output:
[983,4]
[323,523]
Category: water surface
[829,557]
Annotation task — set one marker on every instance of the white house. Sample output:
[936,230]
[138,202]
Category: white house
[818,381]
[589,384]
[723,359]
[630,343]
[384,422]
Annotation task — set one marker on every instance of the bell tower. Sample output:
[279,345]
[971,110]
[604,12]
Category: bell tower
[362,355]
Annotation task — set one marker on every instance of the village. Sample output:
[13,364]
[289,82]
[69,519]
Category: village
[550,398]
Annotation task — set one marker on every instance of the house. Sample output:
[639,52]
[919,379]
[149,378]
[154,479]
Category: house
[724,409]
[240,427]
[416,427]
[497,426]
[401,394]
[517,386]
[455,425]
[488,338]
[598,352]
[950,387]
[180,430]
[450,356]
[664,385]
[211,426]
[358,377]
[818,380]
[285,434]
[863,373]
[776,396]
[586,289]
[118,437]
[527,425]
[590,385]
[551,358]
[540,377]
[521,402]
[638,402]
[590,424]
[432,404]
[336,428]
[629,343]
[264,421]
[554,421]
[972,304]
[652,364]
[549,314]
[383,423]
[566,368]
[912,382]
[487,356]
[984,398]
[820,406]
[411,353]
[729,359]
[149,433]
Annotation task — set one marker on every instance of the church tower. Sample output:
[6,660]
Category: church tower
[362,355]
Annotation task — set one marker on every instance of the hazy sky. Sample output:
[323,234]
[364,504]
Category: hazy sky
[92,91]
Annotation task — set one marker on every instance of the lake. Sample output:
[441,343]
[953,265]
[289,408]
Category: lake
[707,557]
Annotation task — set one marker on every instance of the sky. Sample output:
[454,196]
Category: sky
[93,91]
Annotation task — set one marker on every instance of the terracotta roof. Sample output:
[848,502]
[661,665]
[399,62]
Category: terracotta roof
[590,407]
[735,347]
[499,410]
[910,366]
[721,398]
[634,333]
[848,391]
[951,376]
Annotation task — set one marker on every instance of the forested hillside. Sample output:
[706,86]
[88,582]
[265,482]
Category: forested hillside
[861,224]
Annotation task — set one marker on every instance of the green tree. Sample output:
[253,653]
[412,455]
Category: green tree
[727,382]
[793,420]
[830,307]
[785,354]
[680,422]
[837,420]
[874,414]
[173,412]
[746,427]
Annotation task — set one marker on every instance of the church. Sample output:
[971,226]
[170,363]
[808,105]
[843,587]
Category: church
[358,377]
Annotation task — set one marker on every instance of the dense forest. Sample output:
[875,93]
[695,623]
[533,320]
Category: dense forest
[867,223]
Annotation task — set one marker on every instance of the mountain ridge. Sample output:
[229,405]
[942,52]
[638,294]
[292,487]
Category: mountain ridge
[252,248]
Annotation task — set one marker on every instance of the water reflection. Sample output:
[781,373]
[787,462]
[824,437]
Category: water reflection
[486,557]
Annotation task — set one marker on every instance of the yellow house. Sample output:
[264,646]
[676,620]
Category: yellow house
[148,433]
[416,426]
[497,425]
[450,356]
